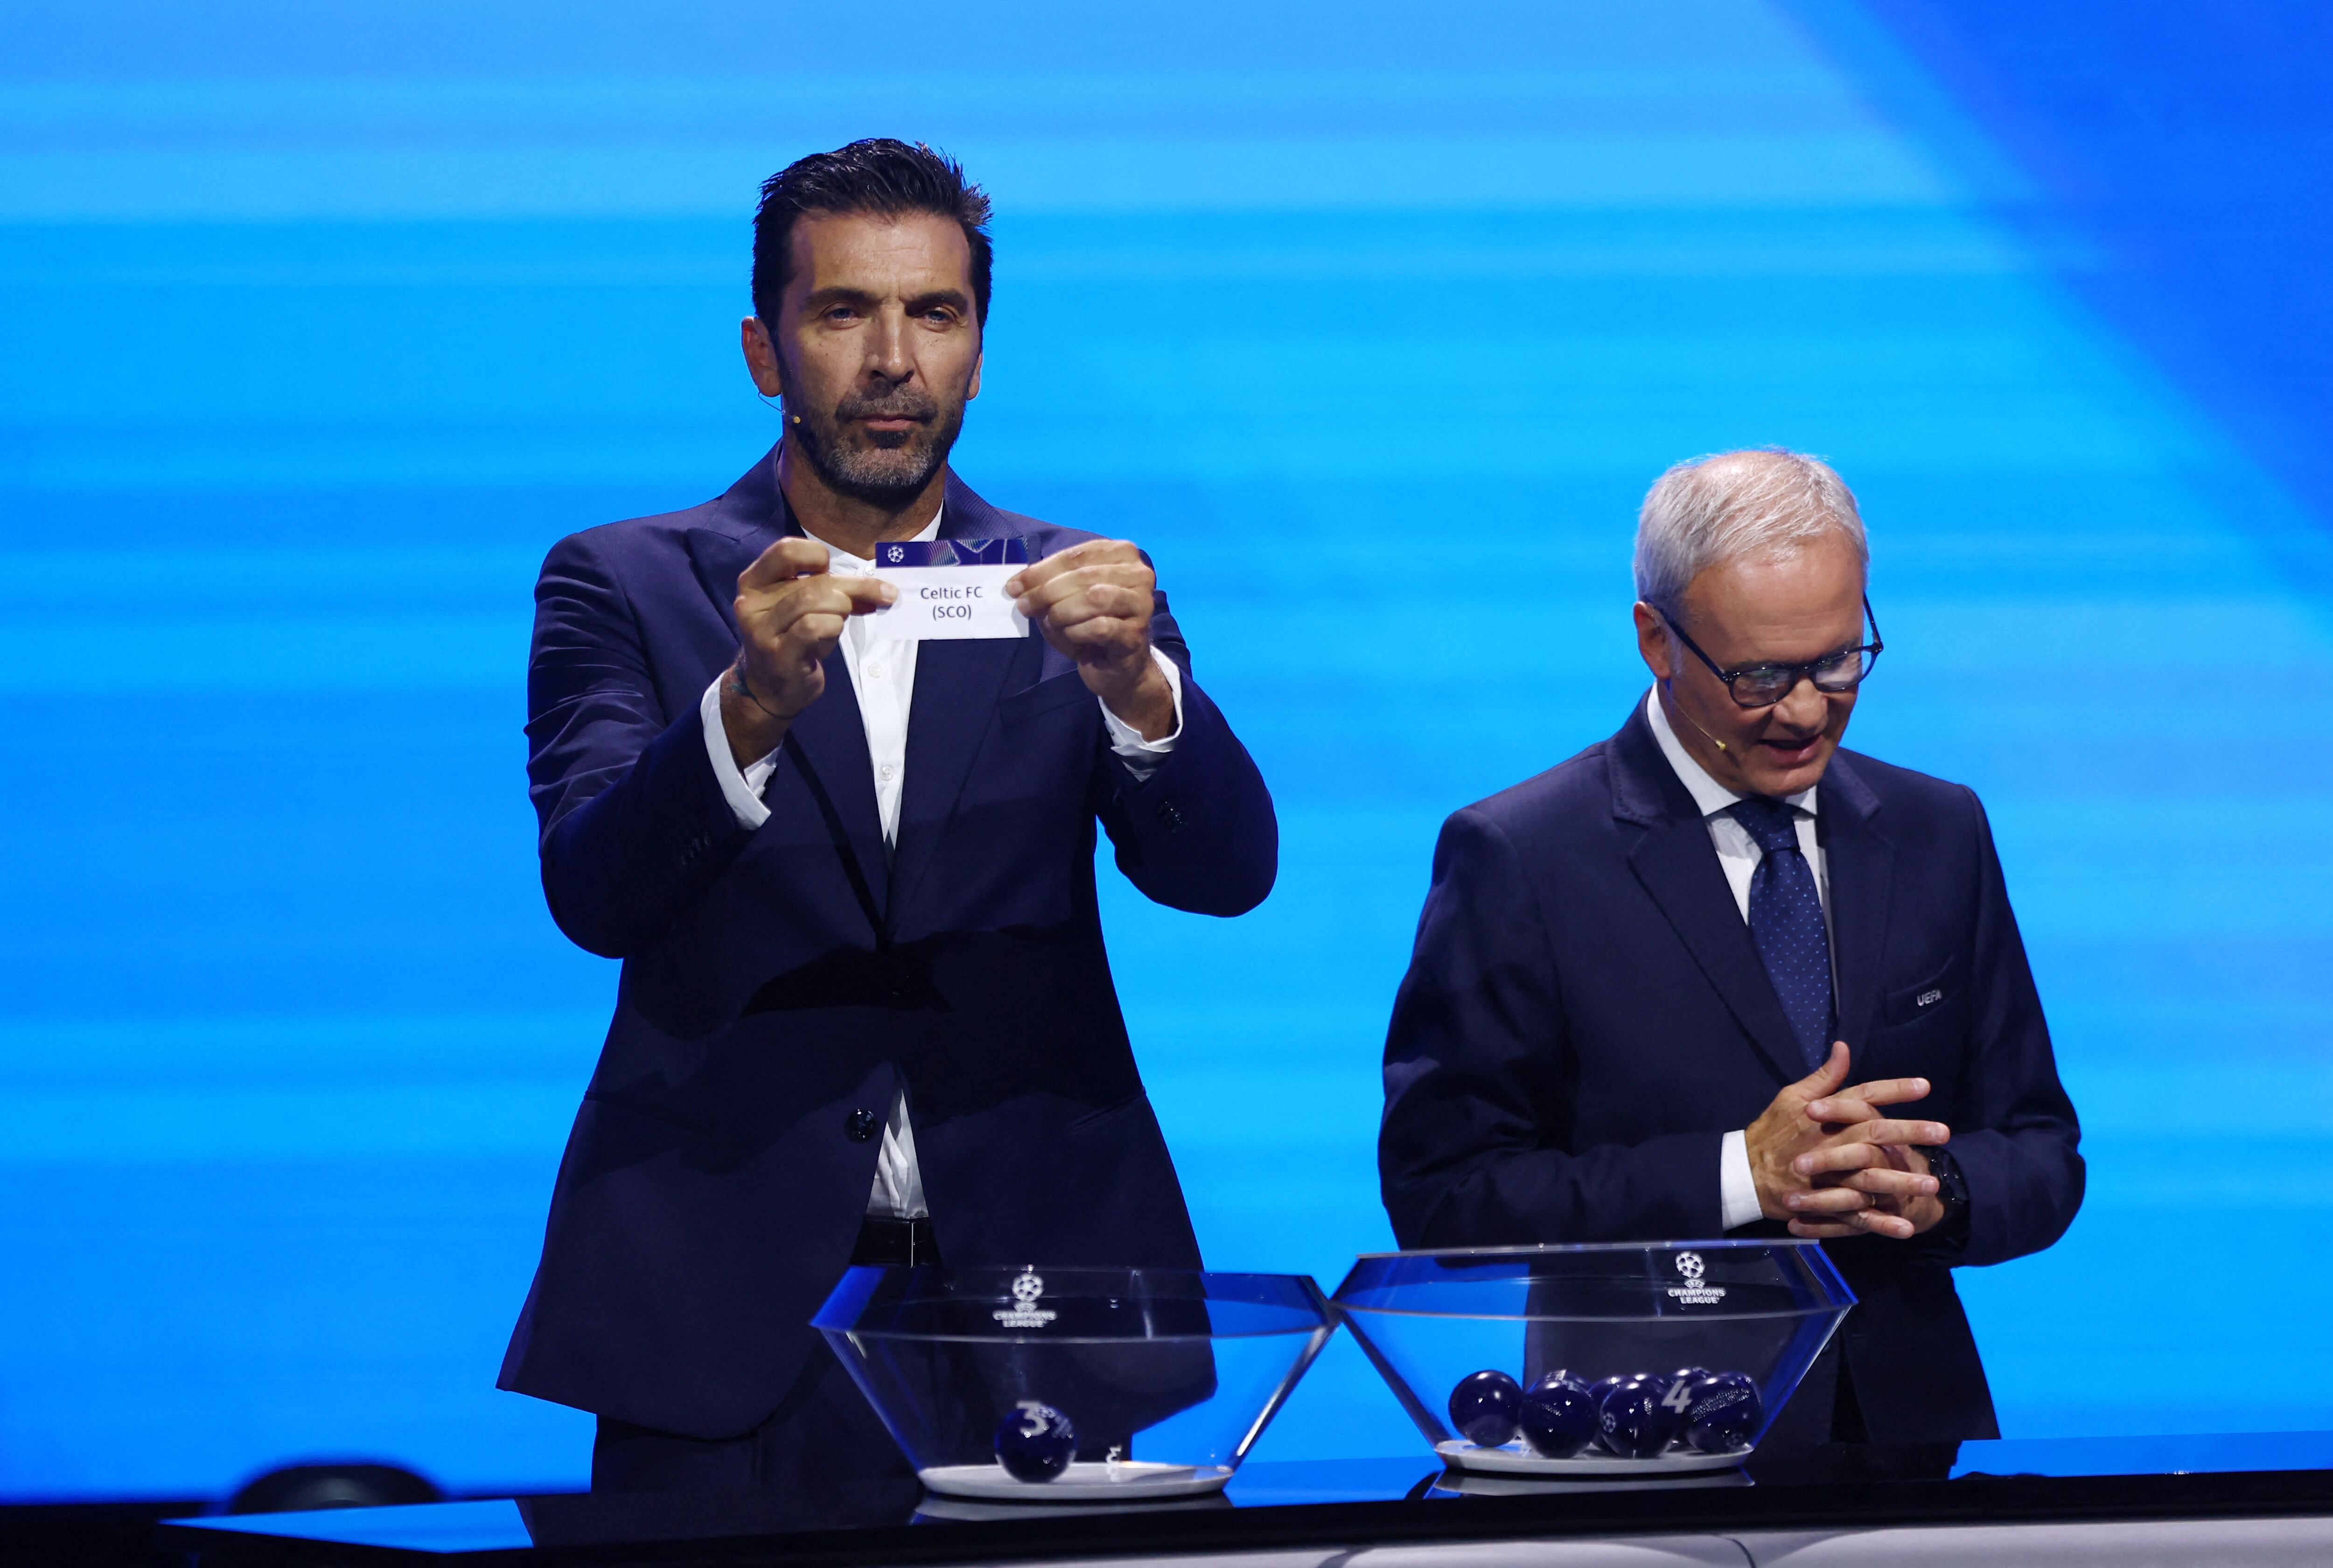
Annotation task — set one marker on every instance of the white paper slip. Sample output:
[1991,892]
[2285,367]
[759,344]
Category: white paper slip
[950,588]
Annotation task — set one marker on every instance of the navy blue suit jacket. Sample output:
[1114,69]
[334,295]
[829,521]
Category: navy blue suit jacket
[712,1186]
[1585,1017]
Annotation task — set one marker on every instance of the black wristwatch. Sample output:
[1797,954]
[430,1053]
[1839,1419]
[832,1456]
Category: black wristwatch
[1952,1187]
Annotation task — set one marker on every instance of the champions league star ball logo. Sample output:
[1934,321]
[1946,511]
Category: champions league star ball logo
[1028,1287]
[1692,1289]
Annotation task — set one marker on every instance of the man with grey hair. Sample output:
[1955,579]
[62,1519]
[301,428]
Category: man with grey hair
[1718,975]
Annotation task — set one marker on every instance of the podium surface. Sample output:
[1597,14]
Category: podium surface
[2265,1498]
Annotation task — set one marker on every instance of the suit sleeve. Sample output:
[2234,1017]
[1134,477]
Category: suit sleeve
[2019,1145]
[634,823]
[1472,1151]
[1199,833]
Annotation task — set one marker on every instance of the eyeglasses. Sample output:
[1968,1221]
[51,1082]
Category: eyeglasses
[1763,685]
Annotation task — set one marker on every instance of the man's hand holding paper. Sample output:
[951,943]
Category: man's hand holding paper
[791,611]
[1093,602]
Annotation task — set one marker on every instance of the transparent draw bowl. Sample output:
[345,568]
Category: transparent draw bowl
[1167,1376]
[1430,1320]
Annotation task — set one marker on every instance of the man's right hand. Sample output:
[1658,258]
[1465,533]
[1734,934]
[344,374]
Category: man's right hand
[791,612]
[1784,1132]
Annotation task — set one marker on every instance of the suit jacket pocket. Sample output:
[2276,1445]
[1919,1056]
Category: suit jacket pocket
[1043,697]
[636,1105]
[1941,992]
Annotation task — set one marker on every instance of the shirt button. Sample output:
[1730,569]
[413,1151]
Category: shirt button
[888,772]
[874,671]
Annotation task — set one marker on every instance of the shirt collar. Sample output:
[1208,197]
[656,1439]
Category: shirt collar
[844,562]
[1709,796]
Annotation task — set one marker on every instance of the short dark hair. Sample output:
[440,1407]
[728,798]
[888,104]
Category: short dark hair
[879,174]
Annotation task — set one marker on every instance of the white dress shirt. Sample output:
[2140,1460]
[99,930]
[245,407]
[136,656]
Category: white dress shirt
[1738,854]
[883,678]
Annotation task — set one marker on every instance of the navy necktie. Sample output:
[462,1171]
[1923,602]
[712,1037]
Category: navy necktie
[1786,921]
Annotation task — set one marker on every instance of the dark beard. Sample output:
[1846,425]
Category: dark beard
[888,476]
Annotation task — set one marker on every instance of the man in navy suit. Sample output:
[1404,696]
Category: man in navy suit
[1685,983]
[865,1012]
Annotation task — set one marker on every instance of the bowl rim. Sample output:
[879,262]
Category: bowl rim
[1534,1248]
[1048,1270]
[1819,1264]
[1699,1314]
[1308,1298]
[1323,1328]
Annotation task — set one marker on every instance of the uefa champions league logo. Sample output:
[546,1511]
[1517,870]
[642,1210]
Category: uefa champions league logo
[1692,1289]
[1028,1287]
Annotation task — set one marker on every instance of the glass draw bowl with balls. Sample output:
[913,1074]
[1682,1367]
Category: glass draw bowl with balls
[1042,1384]
[1622,1359]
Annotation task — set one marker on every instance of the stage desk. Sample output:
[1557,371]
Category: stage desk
[2221,1500]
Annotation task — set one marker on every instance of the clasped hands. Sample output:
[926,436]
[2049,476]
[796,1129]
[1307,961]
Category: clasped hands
[1827,1160]
[1092,601]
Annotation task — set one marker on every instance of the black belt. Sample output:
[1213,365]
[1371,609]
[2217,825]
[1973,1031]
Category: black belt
[890,1243]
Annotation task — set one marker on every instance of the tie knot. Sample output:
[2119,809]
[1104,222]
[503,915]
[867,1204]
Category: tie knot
[1773,824]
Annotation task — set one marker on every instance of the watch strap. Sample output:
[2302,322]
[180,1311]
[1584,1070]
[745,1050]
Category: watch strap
[1951,1186]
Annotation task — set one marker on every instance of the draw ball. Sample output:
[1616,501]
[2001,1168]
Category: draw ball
[1035,1441]
[1638,1419]
[1484,1407]
[1723,1412]
[1559,1416]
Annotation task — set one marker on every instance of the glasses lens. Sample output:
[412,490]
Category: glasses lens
[1846,672]
[1762,684]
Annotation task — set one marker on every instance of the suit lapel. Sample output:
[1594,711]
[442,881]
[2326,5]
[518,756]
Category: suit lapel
[749,518]
[1859,863]
[829,733]
[1677,866]
[957,686]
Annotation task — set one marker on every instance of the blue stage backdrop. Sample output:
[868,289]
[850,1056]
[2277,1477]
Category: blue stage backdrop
[319,323]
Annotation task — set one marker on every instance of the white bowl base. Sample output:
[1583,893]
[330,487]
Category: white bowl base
[1515,1459]
[1085,1481]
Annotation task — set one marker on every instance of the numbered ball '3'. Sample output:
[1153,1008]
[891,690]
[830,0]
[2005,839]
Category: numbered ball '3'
[1035,1441]
[1559,1416]
[1484,1407]
[1723,1412]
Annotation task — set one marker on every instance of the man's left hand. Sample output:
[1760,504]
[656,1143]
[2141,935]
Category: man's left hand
[1093,602]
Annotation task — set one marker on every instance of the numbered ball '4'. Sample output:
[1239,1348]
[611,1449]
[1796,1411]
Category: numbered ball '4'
[1484,1407]
[1035,1441]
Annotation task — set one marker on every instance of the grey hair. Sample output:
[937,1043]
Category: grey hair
[1762,502]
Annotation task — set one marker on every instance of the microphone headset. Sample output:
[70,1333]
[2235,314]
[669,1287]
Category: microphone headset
[1668,684]
[1678,709]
